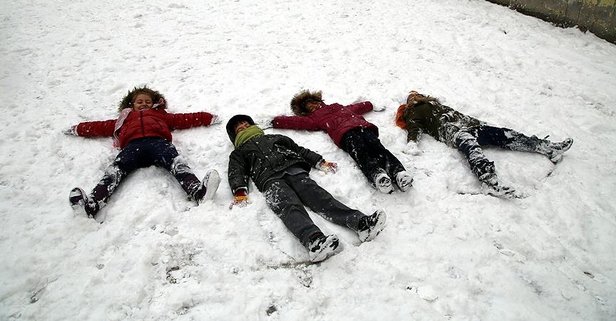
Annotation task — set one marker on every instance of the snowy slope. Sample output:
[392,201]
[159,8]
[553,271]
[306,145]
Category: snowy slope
[446,253]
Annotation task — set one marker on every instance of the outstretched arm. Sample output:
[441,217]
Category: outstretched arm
[188,120]
[361,107]
[101,128]
[294,122]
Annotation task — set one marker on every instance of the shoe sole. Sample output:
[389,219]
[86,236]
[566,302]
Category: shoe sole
[405,183]
[559,155]
[211,181]
[76,199]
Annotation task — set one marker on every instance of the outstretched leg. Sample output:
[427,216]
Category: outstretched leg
[91,204]
[322,202]
[281,198]
[374,160]
[165,155]
[516,141]
[466,142]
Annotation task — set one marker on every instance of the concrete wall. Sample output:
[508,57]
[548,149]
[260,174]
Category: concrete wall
[596,16]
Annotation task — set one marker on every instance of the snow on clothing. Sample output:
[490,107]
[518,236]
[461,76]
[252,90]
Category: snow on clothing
[279,168]
[140,153]
[264,156]
[145,123]
[145,140]
[350,131]
[468,134]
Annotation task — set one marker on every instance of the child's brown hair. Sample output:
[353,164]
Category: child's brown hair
[127,101]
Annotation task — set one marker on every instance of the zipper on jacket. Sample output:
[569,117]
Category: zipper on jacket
[142,127]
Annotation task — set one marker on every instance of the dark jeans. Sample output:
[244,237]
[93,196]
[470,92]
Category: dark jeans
[370,155]
[287,195]
[144,152]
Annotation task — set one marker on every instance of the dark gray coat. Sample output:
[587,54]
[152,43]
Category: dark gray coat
[264,156]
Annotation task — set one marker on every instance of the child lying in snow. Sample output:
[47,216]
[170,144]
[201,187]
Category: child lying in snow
[350,131]
[143,133]
[279,168]
[467,134]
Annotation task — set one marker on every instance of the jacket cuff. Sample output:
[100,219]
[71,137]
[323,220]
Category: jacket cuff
[240,191]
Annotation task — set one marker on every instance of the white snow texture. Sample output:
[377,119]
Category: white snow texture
[448,252]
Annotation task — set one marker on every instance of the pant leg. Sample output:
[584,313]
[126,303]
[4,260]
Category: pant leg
[354,144]
[129,159]
[322,202]
[512,140]
[164,154]
[389,162]
[466,141]
[281,198]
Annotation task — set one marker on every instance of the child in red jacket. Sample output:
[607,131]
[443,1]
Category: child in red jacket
[143,133]
[350,131]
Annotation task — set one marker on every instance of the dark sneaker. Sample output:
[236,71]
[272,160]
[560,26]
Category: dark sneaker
[370,226]
[383,183]
[322,247]
[208,186]
[81,203]
[404,180]
[556,150]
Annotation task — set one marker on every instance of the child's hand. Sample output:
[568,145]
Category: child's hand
[264,123]
[240,198]
[215,120]
[379,108]
[70,131]
[161,103]
[412,149]
[327,167]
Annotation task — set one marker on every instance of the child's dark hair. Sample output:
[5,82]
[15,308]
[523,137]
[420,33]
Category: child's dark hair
[127,101]
[299,101]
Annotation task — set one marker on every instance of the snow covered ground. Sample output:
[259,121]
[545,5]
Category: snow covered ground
[446,254]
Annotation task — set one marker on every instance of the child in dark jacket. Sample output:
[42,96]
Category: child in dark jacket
[425,114]
[143,134]
[279,168]
[350,131]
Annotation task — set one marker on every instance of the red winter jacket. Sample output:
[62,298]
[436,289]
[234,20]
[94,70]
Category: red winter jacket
[145,123]
[334,119]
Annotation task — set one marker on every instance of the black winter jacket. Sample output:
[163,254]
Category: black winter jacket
[263,156]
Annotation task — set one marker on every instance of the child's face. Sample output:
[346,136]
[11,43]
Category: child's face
[241,126]
[312,106]
[142,102]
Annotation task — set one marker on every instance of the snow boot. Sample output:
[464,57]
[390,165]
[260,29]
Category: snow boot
[370,226]
[208,187]
[383,183]
[322,247]
[555,151]
[497,190]
[484,170]
[404,180]
[82,204]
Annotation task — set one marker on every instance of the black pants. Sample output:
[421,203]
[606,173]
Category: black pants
[370,155]
[144,152]
[469,142]
[286,196]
